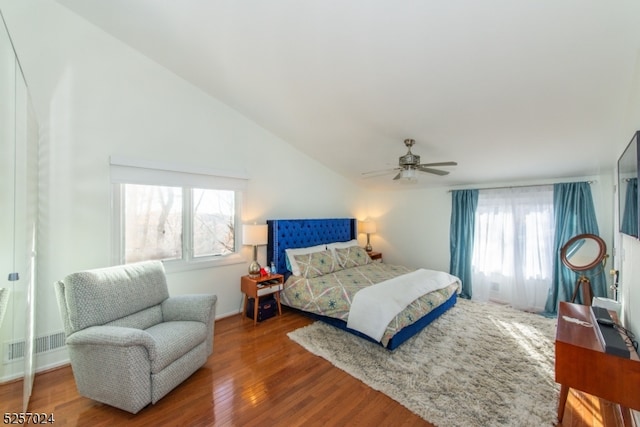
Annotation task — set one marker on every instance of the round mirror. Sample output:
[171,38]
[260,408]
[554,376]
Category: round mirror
[583,252]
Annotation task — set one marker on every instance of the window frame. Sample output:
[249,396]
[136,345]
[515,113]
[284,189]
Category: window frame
[126,171]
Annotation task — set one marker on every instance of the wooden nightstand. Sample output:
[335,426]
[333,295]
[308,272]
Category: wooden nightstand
[376,256]
[256,287]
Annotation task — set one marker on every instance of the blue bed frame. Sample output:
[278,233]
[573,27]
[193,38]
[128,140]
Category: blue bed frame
[301,233]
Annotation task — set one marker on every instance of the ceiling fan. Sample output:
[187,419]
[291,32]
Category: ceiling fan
[409,164]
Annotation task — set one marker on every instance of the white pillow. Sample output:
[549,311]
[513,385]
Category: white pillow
[341,245]
[295,269]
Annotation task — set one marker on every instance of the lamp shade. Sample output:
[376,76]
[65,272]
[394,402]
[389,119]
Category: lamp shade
[368,227]
[254,234]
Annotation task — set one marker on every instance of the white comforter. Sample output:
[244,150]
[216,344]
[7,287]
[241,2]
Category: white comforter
[374,307]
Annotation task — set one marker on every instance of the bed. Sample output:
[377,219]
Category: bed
[324,269]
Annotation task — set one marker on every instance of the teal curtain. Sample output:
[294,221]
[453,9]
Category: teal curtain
[630,214]
[463,214]
[574,214]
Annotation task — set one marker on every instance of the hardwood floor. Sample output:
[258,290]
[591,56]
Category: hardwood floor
[257,376]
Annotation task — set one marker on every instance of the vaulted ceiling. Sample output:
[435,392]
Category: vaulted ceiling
[513,91]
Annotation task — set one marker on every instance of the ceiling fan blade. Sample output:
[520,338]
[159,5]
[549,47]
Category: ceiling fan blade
[440,164]
[397,176]
[433,171]
[373,174]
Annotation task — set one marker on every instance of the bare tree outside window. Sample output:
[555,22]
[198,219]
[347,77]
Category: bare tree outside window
[213,222]
[153,222]
[155,218]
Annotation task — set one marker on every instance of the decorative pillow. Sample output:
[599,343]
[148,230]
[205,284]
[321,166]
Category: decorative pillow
[352,256]
[341,245]
[316,264]
[292,265]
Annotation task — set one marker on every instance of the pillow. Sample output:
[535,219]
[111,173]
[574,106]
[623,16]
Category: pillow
[316,264]
[341,245]
[291,262]
[352,256]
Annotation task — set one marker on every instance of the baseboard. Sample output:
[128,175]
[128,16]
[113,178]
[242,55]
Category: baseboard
[12,378]
[228,314]
[40,370]
[53,367]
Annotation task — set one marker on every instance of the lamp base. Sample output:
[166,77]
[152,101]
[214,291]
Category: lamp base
[254,269]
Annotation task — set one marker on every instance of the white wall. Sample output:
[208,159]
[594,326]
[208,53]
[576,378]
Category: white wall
[627,259]
[95,97]
[412,226]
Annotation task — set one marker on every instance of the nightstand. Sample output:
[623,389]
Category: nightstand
[376,256]
[256,287]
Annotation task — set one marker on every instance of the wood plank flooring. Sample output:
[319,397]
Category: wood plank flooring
[257,376]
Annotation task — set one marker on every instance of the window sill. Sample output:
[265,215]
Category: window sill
[179,266]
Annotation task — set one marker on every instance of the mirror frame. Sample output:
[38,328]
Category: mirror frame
[602,252]
[628,166]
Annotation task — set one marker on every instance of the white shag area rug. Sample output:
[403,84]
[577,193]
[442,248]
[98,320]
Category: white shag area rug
[477,365]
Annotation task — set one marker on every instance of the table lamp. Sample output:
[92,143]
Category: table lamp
[368,227]
[254,235]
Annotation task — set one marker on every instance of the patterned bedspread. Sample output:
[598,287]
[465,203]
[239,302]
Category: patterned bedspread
[331,294]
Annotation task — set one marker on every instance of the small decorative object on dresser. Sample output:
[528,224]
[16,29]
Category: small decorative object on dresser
[256,287]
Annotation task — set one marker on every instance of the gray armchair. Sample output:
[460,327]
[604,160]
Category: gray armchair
[129,342]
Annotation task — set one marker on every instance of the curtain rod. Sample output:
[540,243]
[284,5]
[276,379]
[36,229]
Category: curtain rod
[514,186]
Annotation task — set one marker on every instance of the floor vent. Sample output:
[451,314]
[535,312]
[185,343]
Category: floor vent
[15,350]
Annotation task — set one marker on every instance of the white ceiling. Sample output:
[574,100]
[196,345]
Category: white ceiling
[511,90]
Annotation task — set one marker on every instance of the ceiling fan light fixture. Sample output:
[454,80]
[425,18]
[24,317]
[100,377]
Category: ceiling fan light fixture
[408,174]
[409,164]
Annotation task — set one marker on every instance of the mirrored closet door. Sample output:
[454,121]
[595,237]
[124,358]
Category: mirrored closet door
[18,225]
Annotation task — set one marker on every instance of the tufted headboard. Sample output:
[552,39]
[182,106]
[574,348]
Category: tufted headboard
[301,233]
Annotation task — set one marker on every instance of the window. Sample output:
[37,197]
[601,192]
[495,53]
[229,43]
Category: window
[513,246]
[213,222]
[153,222]
[181,217]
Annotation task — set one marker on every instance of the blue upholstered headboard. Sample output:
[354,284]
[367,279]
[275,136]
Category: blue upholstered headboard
[301,233]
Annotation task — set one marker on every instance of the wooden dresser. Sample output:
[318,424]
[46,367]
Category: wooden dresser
[582,364]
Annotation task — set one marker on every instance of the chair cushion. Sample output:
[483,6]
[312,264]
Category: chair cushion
[175,339]
[141,320]
[99,296]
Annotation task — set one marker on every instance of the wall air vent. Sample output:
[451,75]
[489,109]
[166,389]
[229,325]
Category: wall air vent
[14,350]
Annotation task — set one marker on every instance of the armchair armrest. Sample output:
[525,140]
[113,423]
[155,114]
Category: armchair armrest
[114,336]
[197,307]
